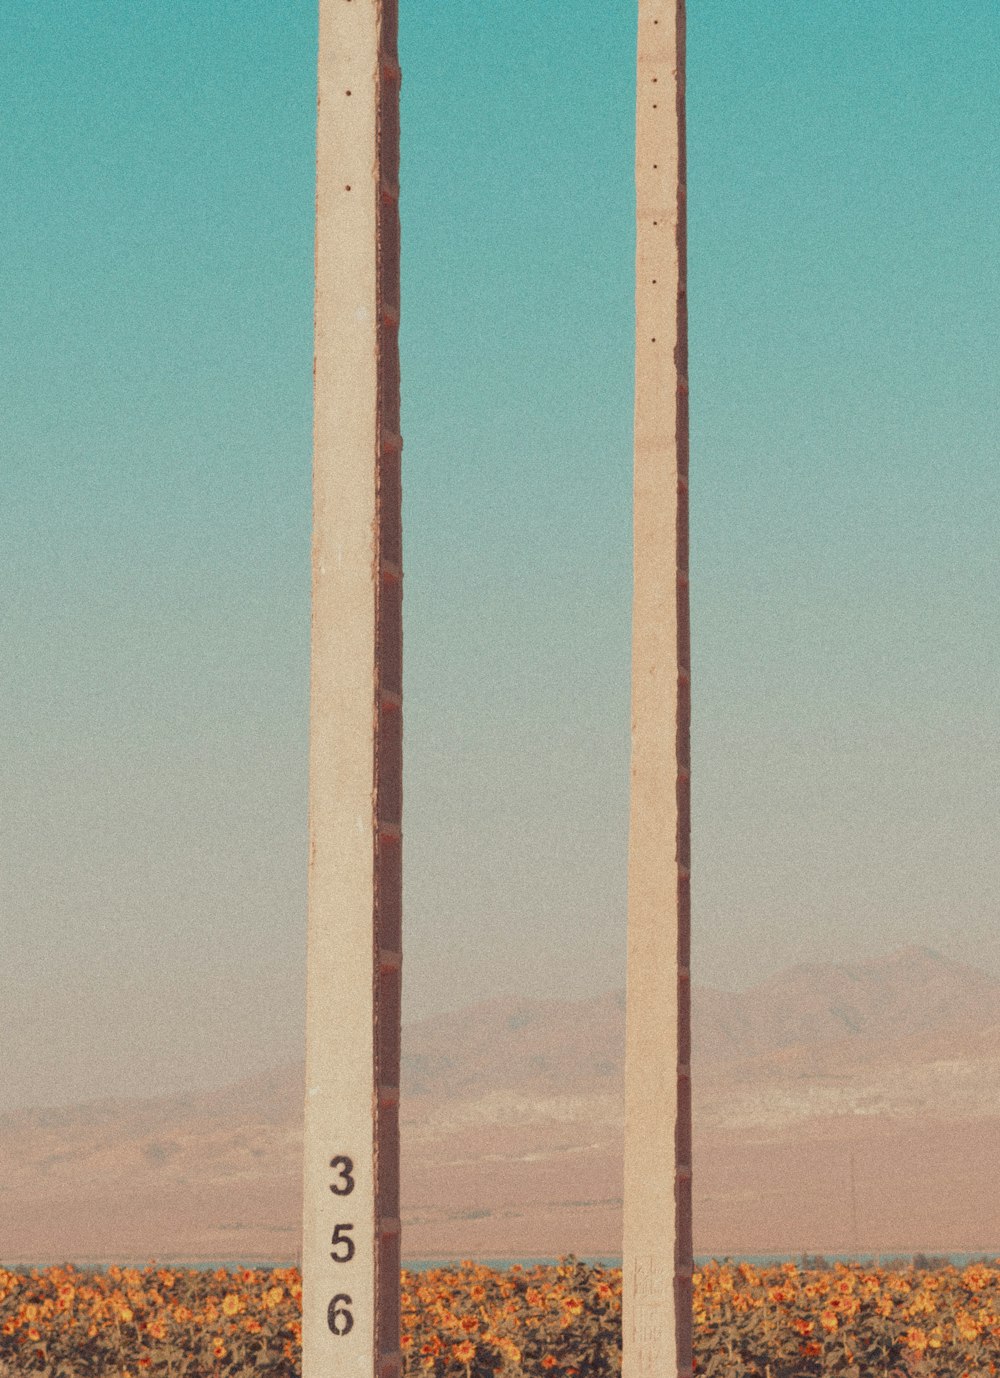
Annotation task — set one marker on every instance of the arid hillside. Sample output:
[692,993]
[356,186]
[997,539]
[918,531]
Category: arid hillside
[837,1108]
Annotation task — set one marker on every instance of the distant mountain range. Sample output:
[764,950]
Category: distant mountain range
[913,996]
[885,1074]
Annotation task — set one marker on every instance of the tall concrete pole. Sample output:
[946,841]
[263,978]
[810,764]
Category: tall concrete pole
[657,1244]
[350,1253]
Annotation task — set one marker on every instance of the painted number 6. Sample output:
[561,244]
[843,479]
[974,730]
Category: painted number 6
[338,1318]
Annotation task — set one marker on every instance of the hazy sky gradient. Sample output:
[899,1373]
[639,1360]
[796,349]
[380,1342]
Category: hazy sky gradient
[156,368]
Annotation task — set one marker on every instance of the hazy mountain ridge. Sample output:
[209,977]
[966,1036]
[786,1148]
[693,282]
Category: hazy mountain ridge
[512,1130]
[914,997]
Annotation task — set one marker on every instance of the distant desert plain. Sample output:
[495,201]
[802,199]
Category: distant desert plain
[849,1108]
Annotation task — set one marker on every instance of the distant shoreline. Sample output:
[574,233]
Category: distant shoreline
[933,1257]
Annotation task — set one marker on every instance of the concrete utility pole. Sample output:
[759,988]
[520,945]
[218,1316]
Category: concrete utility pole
[657,1245]
[351,1253]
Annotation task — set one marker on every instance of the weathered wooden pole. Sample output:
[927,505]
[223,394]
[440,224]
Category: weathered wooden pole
[657,1244]
[350,1255]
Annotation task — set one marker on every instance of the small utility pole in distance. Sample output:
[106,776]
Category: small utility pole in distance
[657,1244]
[351,1245]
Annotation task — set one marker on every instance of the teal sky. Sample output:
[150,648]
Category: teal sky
[156,241]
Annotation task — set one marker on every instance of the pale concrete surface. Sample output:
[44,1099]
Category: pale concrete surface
[350,1245]
[657,1193]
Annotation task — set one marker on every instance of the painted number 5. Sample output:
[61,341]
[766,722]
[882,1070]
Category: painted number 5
[341,1236]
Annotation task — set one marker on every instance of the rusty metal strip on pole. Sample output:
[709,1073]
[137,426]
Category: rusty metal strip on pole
[657,1243]
[351,1240]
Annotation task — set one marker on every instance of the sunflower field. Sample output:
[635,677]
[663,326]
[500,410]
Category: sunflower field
[470,1321]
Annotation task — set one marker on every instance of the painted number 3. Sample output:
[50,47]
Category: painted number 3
[344,1167]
